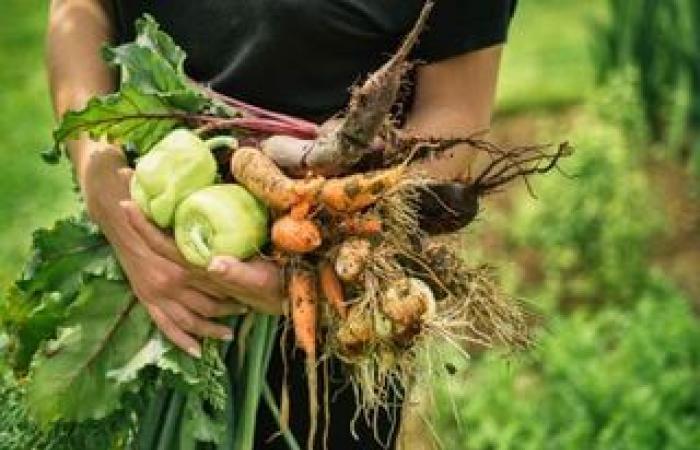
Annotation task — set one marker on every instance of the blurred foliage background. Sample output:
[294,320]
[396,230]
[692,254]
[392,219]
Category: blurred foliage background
[607,255]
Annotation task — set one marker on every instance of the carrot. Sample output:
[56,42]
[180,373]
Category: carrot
[359,225]
[259,174]
[356,192]
[265,180]
[295,235]
[301,210]
[352,258]
[303,297]
[332,288]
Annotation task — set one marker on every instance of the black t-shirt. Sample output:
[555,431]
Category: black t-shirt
[301,56]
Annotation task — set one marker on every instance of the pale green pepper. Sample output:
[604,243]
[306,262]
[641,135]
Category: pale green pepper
[219,220]
[175,167]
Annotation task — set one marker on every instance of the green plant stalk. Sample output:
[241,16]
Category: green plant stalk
[254,373]
[274,410]
[152,420]
[172,422]
[228,349]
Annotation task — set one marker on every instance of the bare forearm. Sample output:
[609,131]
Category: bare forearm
[76,31]
[454,98]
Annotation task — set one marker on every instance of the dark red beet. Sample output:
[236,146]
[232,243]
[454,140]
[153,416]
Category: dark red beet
[447,207]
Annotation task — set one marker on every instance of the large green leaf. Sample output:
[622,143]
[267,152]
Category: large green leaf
[154,64]
[105,327]
[62,256]
[129,116]
[160,353]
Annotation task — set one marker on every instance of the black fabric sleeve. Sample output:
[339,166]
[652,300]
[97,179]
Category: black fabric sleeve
[459,26]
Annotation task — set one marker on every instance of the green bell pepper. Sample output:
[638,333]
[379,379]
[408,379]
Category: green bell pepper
[219,220]
[178,165]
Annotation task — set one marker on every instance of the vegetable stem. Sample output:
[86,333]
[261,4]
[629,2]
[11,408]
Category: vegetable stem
[221,141]
[172,422]
[274,410]
[198,241]
[256,361]
[152,420]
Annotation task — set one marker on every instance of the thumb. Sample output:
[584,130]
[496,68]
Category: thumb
[236,272]
[221,265]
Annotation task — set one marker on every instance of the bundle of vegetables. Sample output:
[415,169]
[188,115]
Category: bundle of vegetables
[365,280]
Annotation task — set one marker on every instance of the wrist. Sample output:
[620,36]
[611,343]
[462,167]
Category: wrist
[102,185]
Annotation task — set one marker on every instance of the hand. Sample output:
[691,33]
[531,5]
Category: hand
[158,277]
[179,296]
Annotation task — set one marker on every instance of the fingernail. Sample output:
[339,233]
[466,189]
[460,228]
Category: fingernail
[228,337]
[195,351]
[217,265]
[124,203]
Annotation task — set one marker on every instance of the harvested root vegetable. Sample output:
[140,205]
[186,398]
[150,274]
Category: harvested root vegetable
[353,220]
[265,180]
[295,235]
[447,207]
[361,225]
[303,297]
[408,303]
[368,111]
[356,192]
[355,333]
[304,301]
[332,288]
[259,174]
[352,258]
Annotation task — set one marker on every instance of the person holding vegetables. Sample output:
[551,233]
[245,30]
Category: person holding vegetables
[294,56]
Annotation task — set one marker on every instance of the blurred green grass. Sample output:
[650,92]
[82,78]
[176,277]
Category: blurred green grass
[33,194]
[547,64]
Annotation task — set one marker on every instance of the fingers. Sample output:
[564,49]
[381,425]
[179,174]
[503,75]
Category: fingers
[181,326]
[258,283]
[152,235]
[206,307]
[195,325]
[173,333]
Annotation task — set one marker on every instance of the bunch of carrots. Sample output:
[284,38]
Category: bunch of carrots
[365,281]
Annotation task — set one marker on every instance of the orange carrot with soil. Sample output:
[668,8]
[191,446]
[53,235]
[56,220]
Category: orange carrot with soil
[295,235]
[351,193]
[304,310]
[355,192]
[361,225]
[332,288]
[265,180]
